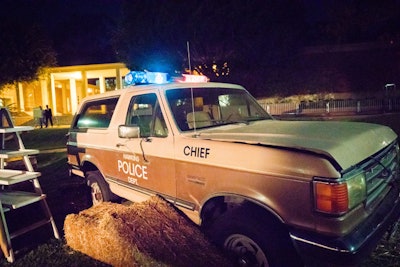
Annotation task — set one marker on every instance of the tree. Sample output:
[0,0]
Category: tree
[24,50]
[229,40]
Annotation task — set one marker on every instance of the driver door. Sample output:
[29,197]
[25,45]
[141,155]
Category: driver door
[146,164]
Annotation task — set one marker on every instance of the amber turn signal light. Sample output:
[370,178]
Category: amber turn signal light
[331,197]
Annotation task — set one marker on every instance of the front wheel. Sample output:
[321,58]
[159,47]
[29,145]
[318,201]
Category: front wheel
[252,239]
[245,251]
[99,190]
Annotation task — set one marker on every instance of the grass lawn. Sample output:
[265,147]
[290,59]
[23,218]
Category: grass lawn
[67,195]
[45,138]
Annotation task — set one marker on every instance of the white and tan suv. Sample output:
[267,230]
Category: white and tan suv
[273,193]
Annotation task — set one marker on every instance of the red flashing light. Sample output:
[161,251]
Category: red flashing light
[187,78]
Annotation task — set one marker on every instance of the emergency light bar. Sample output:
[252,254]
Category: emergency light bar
[142,77]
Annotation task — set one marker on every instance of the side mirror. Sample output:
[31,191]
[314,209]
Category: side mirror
[128,131]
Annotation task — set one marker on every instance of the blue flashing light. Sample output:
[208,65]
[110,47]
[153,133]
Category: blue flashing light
[142,77]
[157,77]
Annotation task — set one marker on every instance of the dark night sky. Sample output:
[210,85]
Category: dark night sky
[249,36]
[81,30]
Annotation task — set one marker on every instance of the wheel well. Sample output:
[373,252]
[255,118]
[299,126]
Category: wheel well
[88,166]
[218,206]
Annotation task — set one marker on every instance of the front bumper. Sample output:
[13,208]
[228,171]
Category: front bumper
[357,245]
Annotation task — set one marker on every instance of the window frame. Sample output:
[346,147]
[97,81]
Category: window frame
[156,113]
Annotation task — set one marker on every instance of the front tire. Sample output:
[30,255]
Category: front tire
[252,239]
[245,251]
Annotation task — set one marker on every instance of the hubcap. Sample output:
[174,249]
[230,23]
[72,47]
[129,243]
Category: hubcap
[97,195]
[246,251]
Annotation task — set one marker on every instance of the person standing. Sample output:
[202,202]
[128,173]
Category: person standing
[38,114]
[43,118]
[49,116]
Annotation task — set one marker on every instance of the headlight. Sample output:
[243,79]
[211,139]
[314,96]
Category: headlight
[341,196]
[357,190]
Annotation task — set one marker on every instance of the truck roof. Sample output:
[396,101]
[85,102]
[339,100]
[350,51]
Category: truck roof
[163,87]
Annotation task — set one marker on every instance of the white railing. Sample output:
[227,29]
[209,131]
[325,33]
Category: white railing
[350,106]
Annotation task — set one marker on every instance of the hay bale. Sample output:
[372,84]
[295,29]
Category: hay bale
[151,233]
[93,232]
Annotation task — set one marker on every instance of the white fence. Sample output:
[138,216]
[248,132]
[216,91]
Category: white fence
[364,106]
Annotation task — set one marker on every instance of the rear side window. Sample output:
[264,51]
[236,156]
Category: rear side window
[96,114]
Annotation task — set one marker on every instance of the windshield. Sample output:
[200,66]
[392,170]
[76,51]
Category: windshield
[208,107]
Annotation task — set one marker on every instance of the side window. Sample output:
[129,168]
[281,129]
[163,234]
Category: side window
[97,114]
[144,111]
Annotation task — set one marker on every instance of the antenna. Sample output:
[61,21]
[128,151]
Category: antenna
[188,55]
[191,89]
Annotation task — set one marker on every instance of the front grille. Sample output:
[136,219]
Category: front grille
[380,171]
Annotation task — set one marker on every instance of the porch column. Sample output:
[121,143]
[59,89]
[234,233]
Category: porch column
[66,108]
[102,84]
[118,79]
[45,95]
[84,91]
[73,94]
[20,97]
[53,94]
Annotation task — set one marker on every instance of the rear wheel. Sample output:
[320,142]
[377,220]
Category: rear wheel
[99,190]
[252,239]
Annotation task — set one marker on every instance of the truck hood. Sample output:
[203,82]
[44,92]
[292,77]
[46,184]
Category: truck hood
[347,143]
